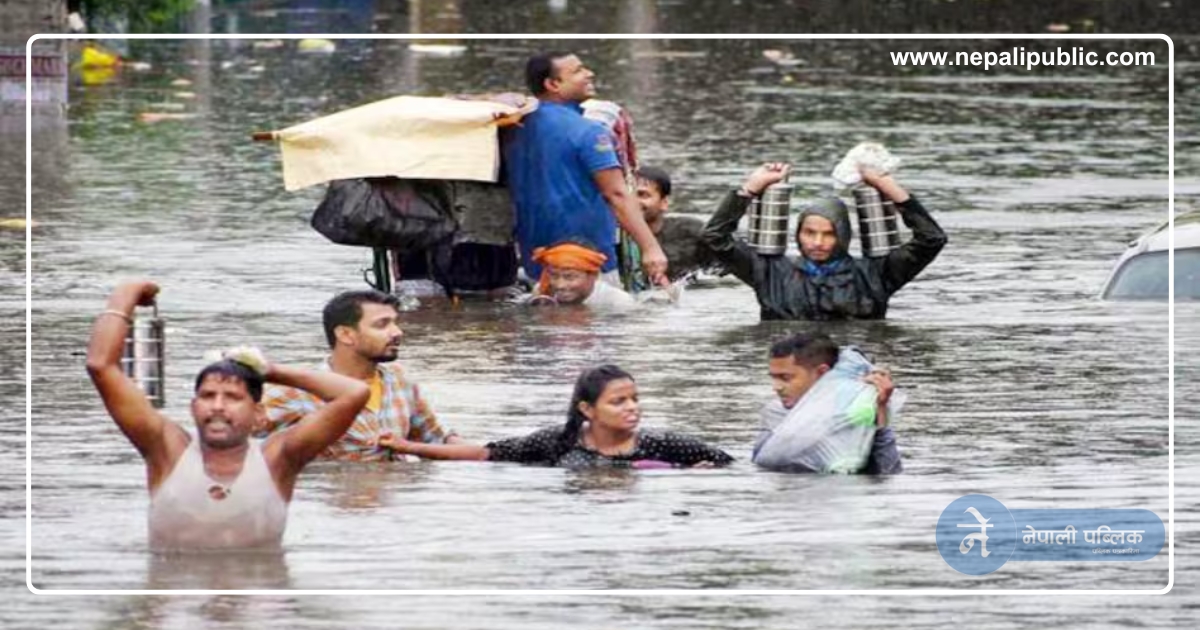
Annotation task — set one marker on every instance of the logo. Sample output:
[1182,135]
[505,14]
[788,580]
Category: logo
[604,144]
[977,534]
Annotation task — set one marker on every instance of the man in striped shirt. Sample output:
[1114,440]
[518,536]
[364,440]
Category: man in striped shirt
[363,332]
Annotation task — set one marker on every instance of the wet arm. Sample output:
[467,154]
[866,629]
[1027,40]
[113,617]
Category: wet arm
[737,257]
[457,450]
[145,427]
[905,262]
[683,450]
[423,425]
[625,208]
[426,438]
[711,455]
[539,447]
[772,415]
[764,434]
[344,398]
[885,455]
[536,448]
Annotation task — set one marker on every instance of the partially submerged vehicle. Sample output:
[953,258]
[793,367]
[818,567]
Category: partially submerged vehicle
[1142,272]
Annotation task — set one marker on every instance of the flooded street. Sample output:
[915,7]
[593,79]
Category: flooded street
[1021,384]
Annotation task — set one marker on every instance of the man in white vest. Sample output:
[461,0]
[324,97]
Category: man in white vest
[220,488]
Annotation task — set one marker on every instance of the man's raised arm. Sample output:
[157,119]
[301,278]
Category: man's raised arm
[125,401]
[739,259]
[904,263]
[306,439]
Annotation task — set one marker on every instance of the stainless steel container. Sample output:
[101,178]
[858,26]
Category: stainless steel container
[878,226]
[768,232]
[144,356]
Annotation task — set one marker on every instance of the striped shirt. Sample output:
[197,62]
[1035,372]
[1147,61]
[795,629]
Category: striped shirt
[396,407]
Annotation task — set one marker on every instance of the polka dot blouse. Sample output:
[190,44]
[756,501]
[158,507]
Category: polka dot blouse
[652,449]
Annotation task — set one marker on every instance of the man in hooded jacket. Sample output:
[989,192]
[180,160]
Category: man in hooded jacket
[826,282]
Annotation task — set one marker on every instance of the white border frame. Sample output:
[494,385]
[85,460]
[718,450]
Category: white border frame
[971,592]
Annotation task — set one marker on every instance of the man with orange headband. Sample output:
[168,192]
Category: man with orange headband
[570,274]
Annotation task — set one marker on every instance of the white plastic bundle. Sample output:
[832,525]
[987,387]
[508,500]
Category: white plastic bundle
[604,112]
[831,428]
[248,356]
[869,154]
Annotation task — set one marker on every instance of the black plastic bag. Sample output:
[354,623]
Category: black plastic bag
[403,214]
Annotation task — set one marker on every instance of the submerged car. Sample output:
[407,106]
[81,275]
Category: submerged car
[1142,273]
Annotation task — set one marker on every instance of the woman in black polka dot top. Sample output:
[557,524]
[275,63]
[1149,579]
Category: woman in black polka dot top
[602,430]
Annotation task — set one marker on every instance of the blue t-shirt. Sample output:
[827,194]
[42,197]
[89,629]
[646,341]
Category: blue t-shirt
[549,160]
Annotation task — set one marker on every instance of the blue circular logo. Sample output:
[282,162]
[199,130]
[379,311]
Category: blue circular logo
[976,534]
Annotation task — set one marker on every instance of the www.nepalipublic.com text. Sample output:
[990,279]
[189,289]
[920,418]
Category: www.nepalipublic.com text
[1020,57]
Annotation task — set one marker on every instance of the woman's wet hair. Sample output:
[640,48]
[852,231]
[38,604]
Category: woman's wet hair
[345,309]
[588,388]
[807,349]
[227,369]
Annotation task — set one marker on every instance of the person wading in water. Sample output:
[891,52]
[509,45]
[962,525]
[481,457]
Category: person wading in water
[219,488]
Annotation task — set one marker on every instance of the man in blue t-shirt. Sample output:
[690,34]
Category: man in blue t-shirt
[563,173]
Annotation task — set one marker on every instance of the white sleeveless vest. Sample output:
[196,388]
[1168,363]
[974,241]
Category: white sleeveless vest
[192,511]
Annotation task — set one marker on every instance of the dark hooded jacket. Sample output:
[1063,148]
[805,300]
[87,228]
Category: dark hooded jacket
[851,288]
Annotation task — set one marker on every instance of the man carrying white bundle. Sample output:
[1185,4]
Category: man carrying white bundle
[218,489]
[832,414]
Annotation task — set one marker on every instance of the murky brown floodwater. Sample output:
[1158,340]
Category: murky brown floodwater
[1021,385]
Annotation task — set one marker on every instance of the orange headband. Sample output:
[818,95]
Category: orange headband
[566,256]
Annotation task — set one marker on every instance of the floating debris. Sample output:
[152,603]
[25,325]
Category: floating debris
[1058,28]
[670,54]
[167,106]
[156,117]
[185,95]
[782,58]
[439,50]
[75,23]
[94,56]
[180,83]
[267,44]
[97,76]
[16,224]
[316,46]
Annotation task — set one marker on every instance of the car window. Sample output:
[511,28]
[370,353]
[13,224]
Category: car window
[1144,277]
